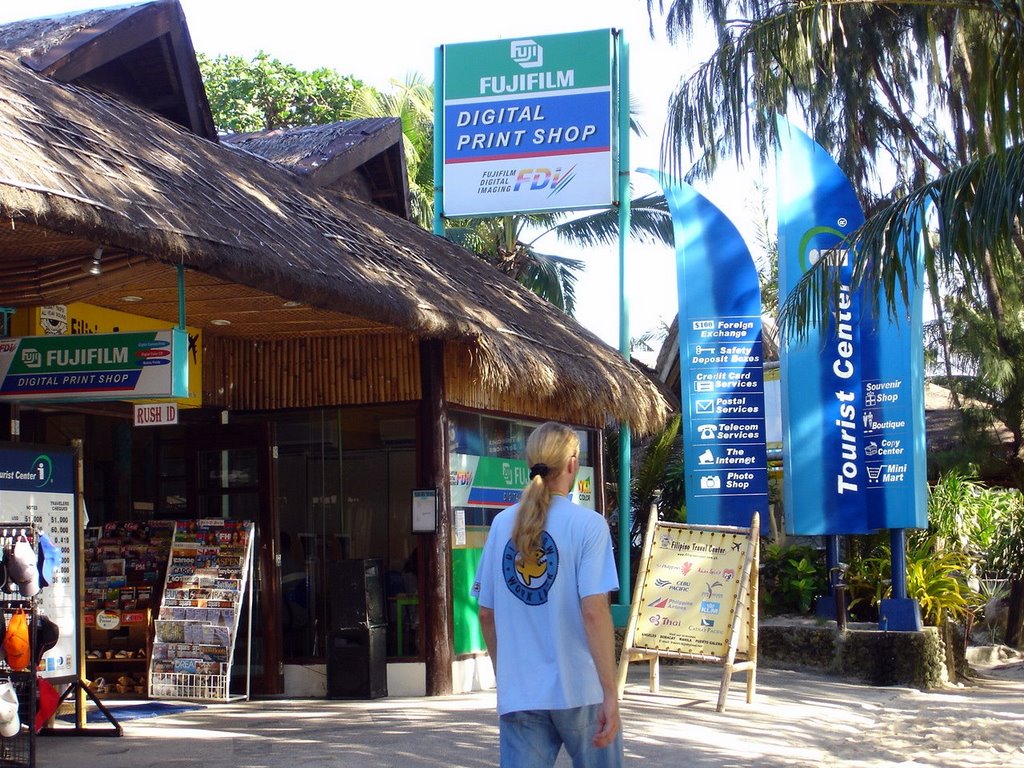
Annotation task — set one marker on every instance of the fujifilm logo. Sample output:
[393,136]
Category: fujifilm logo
[527,54]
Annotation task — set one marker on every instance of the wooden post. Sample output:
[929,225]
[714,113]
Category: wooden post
[730,665]
[435,548]
[627,641]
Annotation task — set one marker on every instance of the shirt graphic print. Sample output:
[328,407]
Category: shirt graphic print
[531,577]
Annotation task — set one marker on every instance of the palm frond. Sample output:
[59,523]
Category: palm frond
[978,208]
[650,222]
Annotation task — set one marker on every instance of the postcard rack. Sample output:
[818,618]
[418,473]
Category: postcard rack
[197,626]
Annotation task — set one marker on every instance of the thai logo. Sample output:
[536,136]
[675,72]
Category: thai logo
[528,54]
[664,621]
[530,577]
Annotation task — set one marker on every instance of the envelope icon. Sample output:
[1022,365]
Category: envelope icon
[705,406]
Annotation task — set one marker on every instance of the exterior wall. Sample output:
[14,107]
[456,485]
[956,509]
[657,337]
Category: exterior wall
[243,375]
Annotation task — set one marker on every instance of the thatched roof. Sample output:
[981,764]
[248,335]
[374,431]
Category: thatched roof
[329,155]
[78,168]
[141,53]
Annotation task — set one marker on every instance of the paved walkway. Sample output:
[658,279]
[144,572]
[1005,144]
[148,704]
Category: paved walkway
[798,719]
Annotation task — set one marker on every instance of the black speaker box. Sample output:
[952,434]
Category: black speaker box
[355,590]
[357,663]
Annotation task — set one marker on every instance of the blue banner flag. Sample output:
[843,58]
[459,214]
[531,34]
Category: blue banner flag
[721,364]
[852,391]
[895,451]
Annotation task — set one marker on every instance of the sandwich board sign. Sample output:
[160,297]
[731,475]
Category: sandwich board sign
[696,599]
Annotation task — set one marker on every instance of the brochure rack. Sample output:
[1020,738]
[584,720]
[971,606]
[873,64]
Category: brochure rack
[207,575]
[20,749]
[125,565]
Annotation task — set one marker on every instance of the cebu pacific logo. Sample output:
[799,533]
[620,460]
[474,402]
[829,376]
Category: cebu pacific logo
[530,577]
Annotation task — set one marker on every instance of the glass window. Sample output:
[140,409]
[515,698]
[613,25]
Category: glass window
[487,462]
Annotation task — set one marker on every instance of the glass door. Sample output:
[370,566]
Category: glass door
[234,480]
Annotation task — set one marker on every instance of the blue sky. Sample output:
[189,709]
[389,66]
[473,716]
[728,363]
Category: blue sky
[387,40]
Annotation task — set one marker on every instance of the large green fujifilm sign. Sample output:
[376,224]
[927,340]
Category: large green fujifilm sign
[95,366]
[528,124]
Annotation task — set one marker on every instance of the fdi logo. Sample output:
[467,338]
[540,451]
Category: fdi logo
[537,179]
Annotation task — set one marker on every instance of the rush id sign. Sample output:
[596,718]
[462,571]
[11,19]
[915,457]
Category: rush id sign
[527,124]
[154,414]
[108,366]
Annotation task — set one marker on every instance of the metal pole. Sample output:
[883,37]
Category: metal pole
[438,140]
[181,296]
[625,448]
[897,545]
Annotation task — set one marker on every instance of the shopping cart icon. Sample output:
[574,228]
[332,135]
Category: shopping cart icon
[874,472]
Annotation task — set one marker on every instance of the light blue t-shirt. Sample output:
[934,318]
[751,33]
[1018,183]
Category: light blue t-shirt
[544,661]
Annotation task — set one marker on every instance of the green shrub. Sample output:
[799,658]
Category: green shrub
[936,578]
[790,578]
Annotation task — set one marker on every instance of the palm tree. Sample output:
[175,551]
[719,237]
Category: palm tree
[931,89]
[413,102]
[508,242]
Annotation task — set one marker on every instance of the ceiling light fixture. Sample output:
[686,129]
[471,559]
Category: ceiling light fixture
[131,299]
[94,266]
[220,322]
[292,304]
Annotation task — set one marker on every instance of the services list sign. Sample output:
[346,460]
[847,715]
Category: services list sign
[528,124]
[94,366]
[725,446]
[720,362]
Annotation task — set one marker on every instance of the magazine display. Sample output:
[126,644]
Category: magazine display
[196,628]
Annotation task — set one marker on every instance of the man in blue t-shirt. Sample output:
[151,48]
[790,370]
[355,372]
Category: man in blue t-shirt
[545,617]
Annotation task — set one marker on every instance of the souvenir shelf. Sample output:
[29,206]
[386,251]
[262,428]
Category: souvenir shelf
[207,576]
[19,749]
[125,568]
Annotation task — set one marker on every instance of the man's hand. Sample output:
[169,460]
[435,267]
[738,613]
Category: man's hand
[607,722]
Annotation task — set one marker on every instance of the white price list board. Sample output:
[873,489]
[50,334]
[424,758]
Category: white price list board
[37,485]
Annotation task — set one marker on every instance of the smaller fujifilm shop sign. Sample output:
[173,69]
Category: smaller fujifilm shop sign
[95,366]
[155,414]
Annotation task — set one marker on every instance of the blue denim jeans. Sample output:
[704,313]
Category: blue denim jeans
[531,739]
